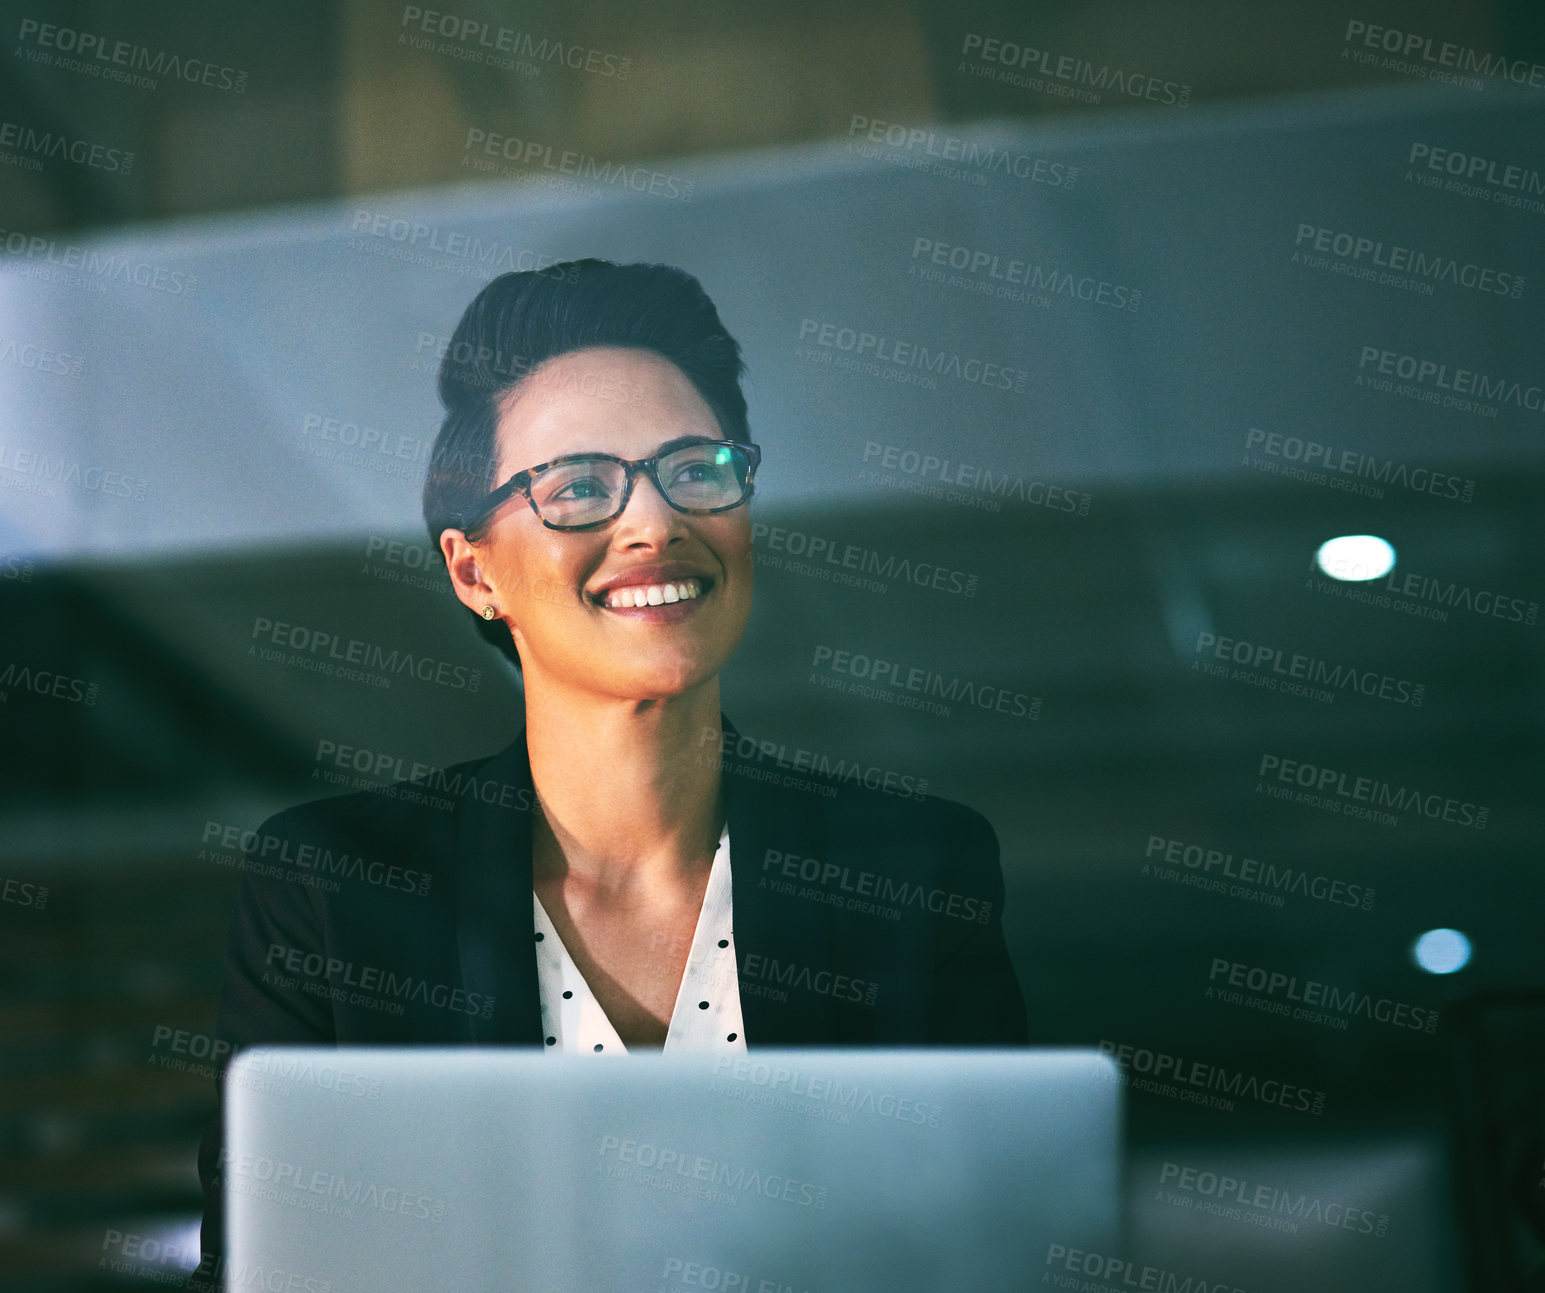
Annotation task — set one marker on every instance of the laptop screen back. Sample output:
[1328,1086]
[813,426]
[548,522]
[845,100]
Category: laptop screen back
[769,1172]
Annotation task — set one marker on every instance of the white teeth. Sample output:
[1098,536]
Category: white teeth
[684,590]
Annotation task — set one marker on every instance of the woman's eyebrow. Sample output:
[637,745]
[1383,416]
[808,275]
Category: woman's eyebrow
[685,440]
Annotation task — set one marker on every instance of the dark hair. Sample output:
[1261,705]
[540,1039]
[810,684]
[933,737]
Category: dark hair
[521,320]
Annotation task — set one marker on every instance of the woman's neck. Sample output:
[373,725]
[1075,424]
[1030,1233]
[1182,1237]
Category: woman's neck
[629,791]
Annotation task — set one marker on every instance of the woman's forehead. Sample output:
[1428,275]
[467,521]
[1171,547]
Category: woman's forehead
[610,400]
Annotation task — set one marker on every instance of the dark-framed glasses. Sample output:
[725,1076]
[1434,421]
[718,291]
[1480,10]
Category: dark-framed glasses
[582,490]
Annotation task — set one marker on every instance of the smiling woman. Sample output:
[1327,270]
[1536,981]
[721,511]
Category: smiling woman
[611,556]
[627,874]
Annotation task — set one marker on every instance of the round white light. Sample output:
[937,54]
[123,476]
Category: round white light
[1355,557]
[1442,951]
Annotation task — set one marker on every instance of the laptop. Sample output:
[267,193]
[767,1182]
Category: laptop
[775,1171]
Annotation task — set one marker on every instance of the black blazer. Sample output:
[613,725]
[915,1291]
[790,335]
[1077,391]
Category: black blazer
[403,916]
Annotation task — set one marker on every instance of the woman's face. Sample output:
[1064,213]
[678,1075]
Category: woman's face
[567,595]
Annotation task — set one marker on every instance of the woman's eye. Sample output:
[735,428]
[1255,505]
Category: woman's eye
[584,487]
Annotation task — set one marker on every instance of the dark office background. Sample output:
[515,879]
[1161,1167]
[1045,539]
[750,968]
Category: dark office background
[196,488]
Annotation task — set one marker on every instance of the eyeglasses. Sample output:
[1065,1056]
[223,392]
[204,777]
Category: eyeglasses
[583,490]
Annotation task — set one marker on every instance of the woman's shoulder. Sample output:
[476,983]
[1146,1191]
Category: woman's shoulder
[381,844]
[805,819]
[431,799]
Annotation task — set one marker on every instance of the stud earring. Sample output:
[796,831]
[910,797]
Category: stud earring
[488,612]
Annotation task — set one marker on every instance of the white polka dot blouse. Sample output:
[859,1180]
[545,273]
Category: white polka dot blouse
[706,1016]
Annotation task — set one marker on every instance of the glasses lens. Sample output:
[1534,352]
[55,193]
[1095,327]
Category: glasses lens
[704,475]
[578,492]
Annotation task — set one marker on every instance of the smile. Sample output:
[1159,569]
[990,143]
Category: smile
[664,594]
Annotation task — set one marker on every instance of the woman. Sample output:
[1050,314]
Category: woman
[588,491]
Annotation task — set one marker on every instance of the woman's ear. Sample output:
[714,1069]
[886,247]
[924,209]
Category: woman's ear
[465,569]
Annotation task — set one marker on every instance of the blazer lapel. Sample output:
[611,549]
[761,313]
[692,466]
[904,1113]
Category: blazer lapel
[493,899]
[774,932]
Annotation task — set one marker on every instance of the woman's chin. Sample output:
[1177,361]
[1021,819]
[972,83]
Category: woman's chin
[667,679]
[667,688]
